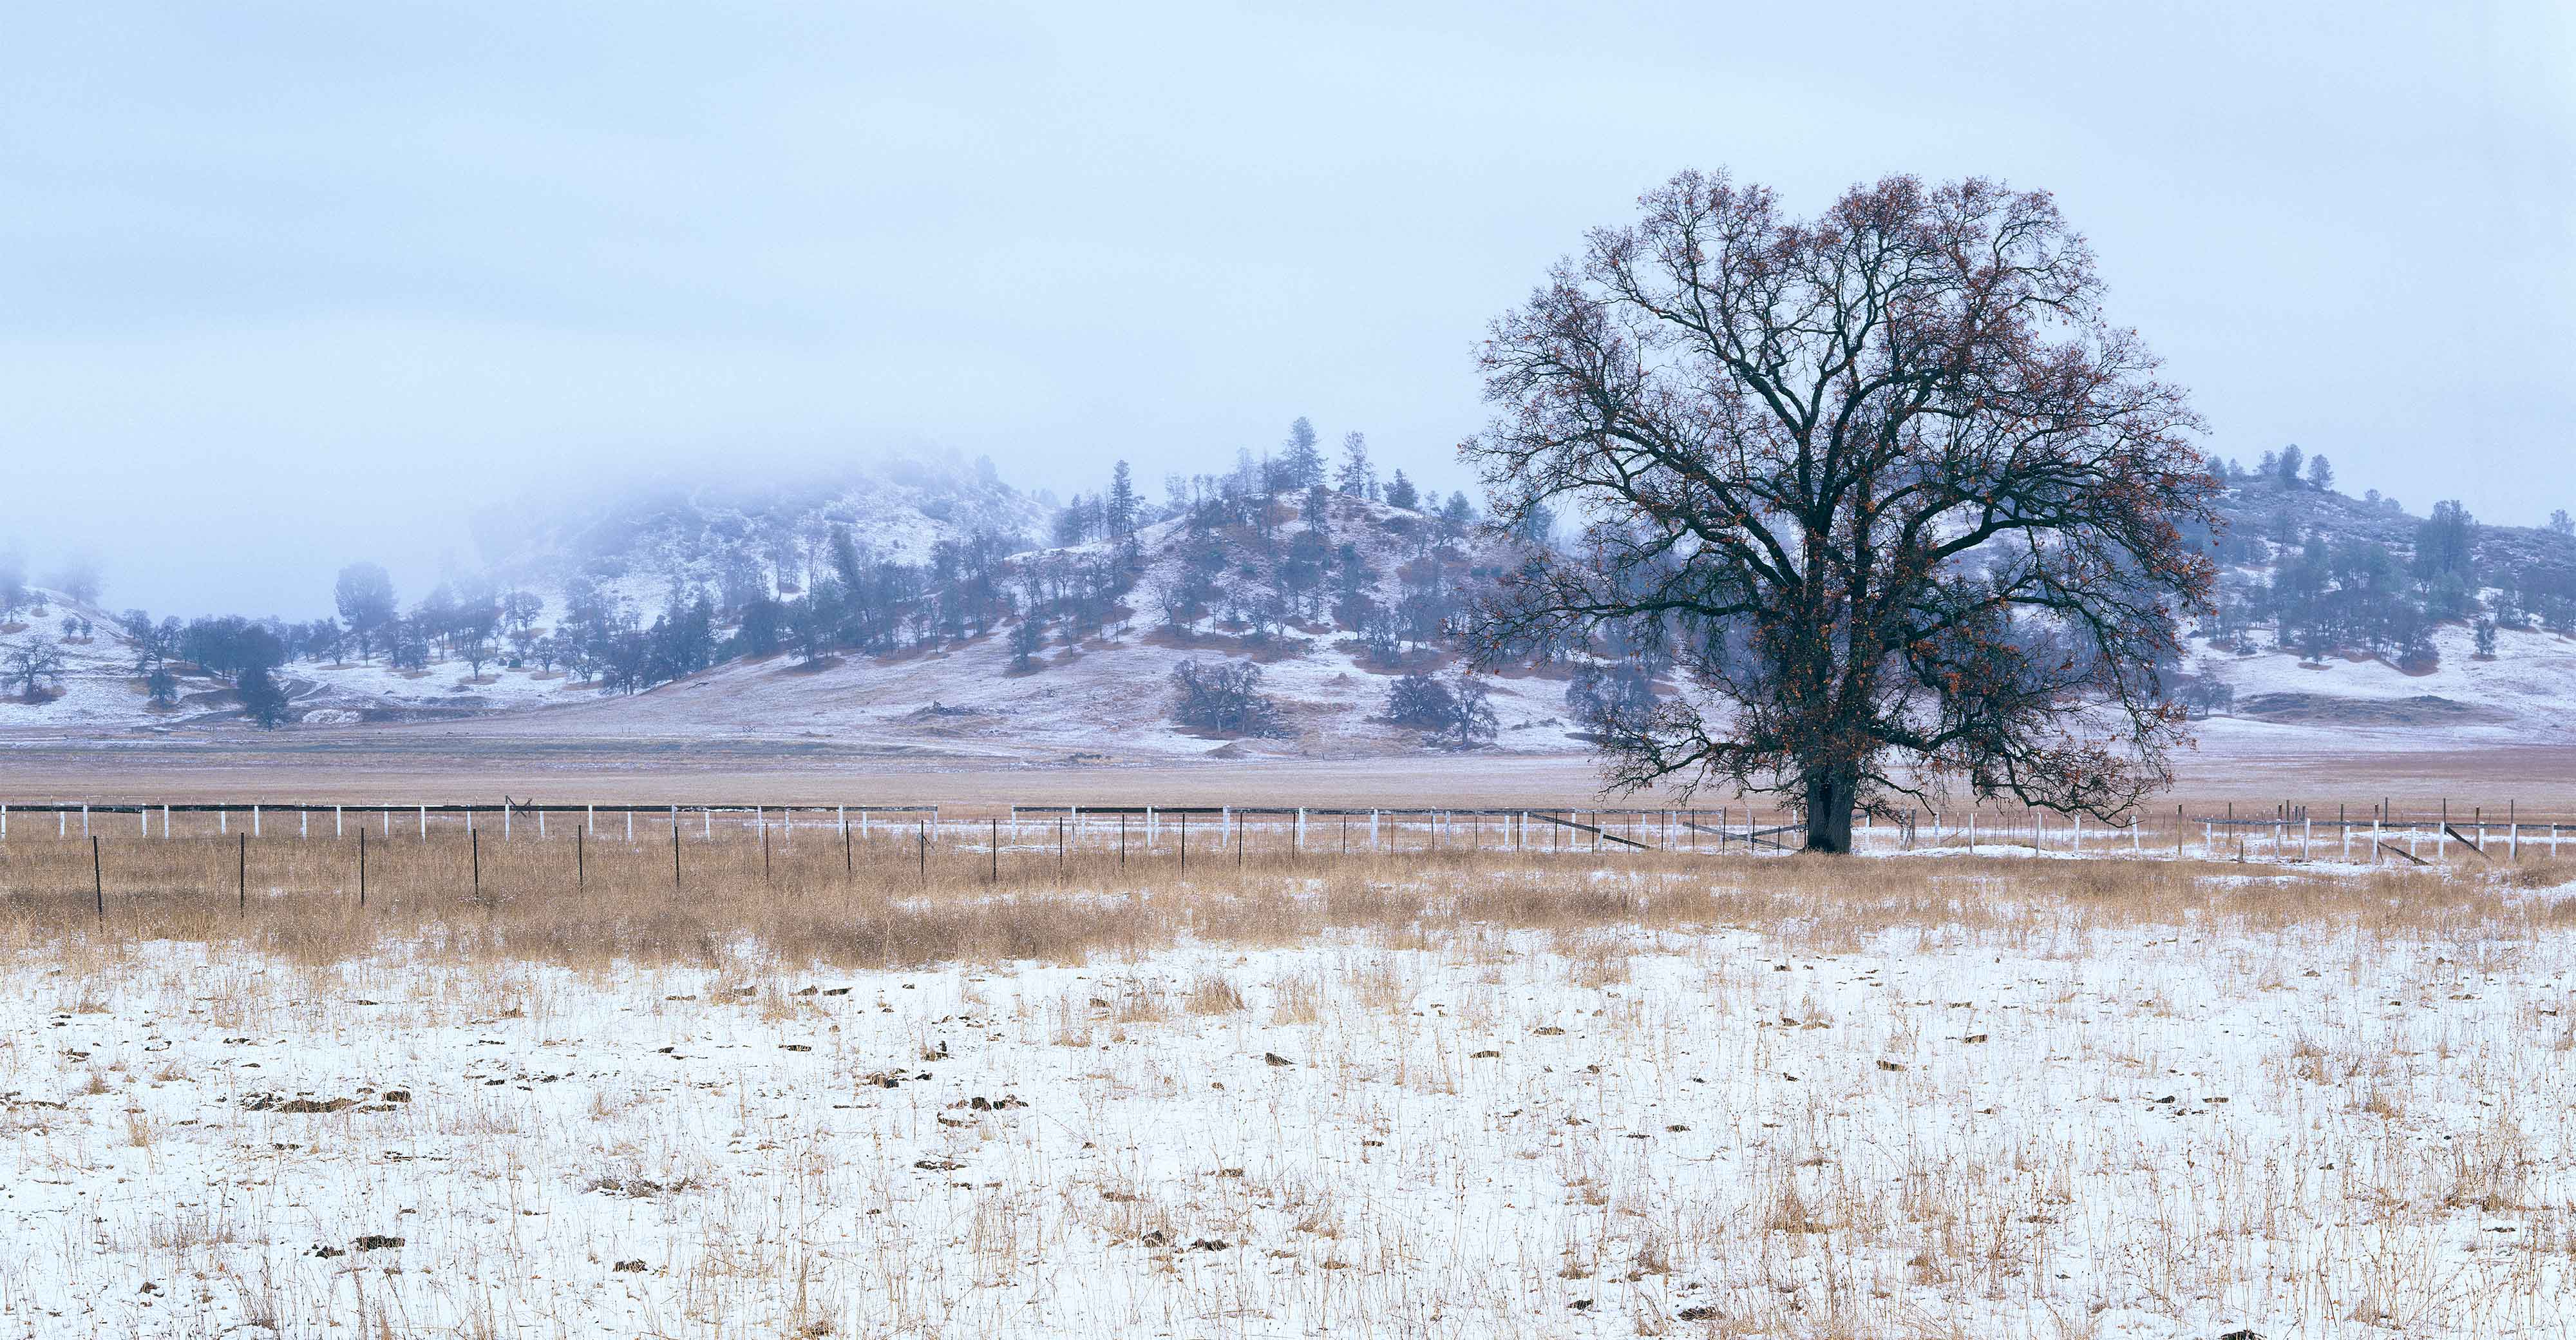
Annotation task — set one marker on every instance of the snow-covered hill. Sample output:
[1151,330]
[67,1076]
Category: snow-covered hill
[1095,683]
[733,534]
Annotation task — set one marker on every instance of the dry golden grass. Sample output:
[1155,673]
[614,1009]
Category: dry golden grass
[895,902]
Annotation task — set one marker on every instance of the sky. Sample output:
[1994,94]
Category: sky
[285,285]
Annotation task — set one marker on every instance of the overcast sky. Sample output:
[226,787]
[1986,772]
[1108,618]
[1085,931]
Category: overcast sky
[288,284]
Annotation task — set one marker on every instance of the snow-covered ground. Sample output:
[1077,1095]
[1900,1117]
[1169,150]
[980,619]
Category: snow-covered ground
[1990,1110]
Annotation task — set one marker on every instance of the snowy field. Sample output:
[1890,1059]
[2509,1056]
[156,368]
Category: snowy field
[1786,1098]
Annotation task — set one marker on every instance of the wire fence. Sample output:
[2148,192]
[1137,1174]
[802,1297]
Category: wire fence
[2381,834]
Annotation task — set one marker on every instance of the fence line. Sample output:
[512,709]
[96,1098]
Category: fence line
[2290,832]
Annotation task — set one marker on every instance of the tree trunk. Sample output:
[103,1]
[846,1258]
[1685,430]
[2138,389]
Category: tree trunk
[1831,791]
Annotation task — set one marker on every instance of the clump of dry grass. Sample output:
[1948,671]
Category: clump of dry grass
[1212,993]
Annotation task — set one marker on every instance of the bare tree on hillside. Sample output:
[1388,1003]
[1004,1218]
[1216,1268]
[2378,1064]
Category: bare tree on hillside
[34,663]
[1909,501]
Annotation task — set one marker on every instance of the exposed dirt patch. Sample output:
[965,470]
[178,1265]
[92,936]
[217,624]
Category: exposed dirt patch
[2328,710]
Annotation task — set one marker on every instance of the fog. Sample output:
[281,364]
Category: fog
[284,285]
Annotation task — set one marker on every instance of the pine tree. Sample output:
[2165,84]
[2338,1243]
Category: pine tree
[1400,493]
[1121,507]
[1357,477]
[1301,462]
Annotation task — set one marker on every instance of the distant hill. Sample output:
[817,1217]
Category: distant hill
[740,536]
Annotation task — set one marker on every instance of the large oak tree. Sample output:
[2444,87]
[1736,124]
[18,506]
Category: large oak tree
[1906,510]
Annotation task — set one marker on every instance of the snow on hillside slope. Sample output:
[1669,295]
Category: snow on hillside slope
[1104,700]
[98,689]
[2526,695]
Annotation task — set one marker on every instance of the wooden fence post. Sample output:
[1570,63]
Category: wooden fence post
[97,881]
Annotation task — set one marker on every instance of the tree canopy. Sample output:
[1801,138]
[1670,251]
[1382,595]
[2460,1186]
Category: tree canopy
[1907,504]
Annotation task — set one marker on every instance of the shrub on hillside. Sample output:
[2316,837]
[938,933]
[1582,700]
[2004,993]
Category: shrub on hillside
[1454,710]
[1224,697]
[1419,700]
